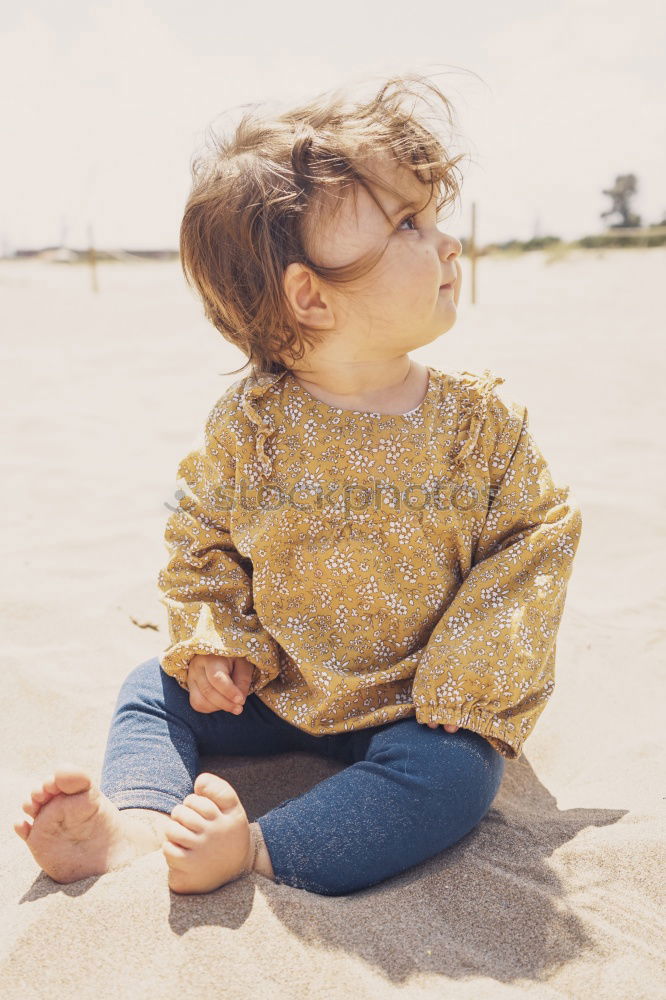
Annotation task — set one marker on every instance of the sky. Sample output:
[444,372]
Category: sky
[106,104]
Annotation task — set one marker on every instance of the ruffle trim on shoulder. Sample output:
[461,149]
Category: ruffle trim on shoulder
[474,412]
[255,387]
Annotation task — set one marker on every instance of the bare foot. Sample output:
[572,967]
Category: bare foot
[208,842]
[77,831]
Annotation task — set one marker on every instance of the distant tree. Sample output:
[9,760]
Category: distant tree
[622,191]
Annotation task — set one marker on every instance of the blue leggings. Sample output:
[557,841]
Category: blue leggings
[407,793]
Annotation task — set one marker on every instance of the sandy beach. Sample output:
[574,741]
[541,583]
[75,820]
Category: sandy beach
[559,892]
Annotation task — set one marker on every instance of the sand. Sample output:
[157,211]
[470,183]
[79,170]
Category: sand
[557,892]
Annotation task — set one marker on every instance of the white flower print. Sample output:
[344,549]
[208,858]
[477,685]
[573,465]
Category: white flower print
[494,596]
[444,597]
[458,623]
[368,589]
[357,460]
[392,448]
[449,694]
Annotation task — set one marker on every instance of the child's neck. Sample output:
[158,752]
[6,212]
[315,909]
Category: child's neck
[394,398]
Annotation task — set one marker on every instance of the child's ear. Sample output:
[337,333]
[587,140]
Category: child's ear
[303,293]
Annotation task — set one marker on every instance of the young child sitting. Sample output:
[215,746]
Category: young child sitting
[369,557]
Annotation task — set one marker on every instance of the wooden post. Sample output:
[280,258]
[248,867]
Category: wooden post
[92,259]
[472,252]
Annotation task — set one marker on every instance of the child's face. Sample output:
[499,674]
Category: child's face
[399,306]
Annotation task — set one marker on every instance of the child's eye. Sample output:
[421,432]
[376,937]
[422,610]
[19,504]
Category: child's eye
[408,218]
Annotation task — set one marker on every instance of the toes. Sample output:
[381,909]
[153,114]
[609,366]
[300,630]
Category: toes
[217,790]
[189,818]
[50,787]
[203,806]
[180,835]
[40,795]
[22,828]
[66,779]
[173,852]
[32,808]
[72,780]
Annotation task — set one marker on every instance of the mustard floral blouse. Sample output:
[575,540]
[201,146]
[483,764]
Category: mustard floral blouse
[372,566]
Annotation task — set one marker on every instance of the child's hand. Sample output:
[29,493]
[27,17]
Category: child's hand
[449,729]
[215,681]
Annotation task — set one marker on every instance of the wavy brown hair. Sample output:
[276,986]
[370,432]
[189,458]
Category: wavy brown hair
[258,194]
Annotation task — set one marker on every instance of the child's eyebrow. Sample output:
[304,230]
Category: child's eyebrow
[403,205]
[413,205]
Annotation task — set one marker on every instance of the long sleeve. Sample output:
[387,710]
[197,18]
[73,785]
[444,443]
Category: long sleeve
[489,663]
[207,585]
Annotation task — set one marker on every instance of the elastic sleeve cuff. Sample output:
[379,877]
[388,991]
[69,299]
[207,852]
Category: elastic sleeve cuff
[176,659]
[507,743]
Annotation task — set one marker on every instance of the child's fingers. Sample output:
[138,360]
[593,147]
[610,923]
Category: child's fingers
[204,697]
[216,674]
[223,684]
[242,674]
[198,700]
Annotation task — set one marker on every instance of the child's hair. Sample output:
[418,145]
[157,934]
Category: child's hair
[257,196]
